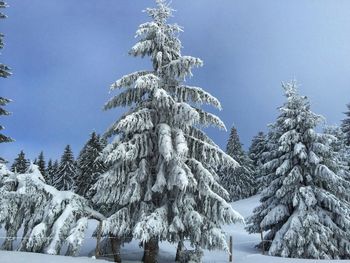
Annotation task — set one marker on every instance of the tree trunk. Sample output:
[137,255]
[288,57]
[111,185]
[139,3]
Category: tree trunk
[179,250]
[115,243]
[150,251]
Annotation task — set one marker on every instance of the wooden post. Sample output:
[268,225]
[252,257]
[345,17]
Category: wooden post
[231,250]
[179,251]
[98,240]
[262,242]
[115,244]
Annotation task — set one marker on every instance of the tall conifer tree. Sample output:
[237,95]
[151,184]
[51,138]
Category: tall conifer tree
[49,172]
[42,165]
[240,181]
[54,172]
[161,177]
[256,153]
[66,172]
[303,211]
[89,166]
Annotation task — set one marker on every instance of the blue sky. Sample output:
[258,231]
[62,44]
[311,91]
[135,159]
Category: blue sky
[65,54]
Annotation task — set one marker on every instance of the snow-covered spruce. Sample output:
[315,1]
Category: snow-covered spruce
[346,125]
[303,211]
[238,181]
[64,177]
[89,167]
[42,165]
[49,172]
[50,218]
[161,183]
[256,153]
[20,164]
[4,73]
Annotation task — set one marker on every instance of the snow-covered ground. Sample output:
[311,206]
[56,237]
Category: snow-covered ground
[243,248]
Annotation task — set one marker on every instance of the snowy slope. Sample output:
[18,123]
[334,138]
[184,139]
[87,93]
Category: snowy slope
[25,257]
[243,245]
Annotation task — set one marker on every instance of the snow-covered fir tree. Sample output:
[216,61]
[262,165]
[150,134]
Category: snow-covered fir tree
[339,146]
[256,153]
[20,164]
[49,172]
[65,175]
[303,211]
[240,181]
[89,167]
[55,166]
[50,218]
[55,169]
[4,73]
[42,165]
[346,125]
[161,179]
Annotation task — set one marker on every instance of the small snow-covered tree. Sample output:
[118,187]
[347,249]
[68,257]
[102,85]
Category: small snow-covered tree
[49,172]
[4,73]
[20,164]
[55,167]
[65,175]
[238,181]
[42,165]
[52,171]
[161,181]
[50,218]
[346,125]
[303,210]
[89,167]
[256,153]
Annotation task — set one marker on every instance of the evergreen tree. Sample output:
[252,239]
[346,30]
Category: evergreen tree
[4,73]
[256,153]
[20,164]
[240,181]
[346,125]
[42,165]
[89,167]
[52,173]
[303,210]
[49,172]
[161,180]
[66,172]
[55,168]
